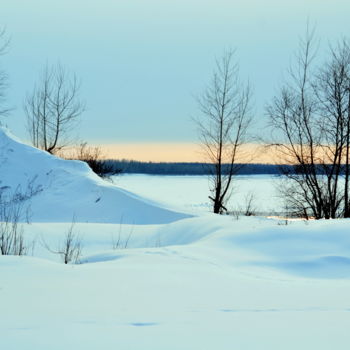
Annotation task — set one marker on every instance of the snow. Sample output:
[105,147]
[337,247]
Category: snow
[176,281]
[193,195]
[67,189]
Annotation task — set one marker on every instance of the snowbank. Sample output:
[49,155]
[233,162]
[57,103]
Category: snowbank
[65,189]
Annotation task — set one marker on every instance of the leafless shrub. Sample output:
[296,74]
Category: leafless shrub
[93,156]
[70,249]
[118,242]
[12,212]
[249,208]
[23,194]
[11,232]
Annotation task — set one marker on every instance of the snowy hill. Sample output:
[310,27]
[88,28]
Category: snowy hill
[64,189]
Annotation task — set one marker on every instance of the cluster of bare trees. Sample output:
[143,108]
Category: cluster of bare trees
[311,118]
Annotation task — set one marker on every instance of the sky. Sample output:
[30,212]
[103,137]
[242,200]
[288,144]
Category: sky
[141,63]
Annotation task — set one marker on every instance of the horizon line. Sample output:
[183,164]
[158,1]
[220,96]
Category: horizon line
[183,152]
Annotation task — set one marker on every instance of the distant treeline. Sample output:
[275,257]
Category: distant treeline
[153,168]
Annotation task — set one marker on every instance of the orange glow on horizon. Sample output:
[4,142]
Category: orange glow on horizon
[177,152]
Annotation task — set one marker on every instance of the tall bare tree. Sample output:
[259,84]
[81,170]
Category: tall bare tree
[4,44]
[223,123]
[53,108]
[311,117]
[293,115]
[332,88]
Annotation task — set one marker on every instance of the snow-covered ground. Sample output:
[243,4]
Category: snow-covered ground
[174,280]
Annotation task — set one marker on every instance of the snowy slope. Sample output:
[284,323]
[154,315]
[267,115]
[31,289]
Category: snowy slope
[66,189]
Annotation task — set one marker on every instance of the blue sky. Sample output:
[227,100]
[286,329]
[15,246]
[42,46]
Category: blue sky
[142,62]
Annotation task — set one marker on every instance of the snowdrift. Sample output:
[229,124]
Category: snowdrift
[61,190]
[231,285]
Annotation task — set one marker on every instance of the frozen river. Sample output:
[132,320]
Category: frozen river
[191,192]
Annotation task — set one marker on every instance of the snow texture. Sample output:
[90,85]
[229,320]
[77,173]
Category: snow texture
[155,278]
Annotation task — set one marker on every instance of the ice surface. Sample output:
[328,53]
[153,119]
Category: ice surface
[191,191]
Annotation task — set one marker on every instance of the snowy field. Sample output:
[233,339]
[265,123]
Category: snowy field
[169,275]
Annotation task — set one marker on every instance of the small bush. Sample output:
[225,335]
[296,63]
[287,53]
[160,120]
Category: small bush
[12,212]
[92,155]
[70,249]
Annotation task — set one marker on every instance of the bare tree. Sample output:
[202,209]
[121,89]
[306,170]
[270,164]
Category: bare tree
[4,44]
[52,109]
[332,88]
[293,116]
[311,117]
[223,123]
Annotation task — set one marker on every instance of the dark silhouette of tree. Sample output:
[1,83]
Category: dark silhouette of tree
[311,118]
[4,44]
[52,109]
[332,89]
[223,124]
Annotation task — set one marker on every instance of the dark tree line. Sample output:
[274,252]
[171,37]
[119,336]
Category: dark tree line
[169,168]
